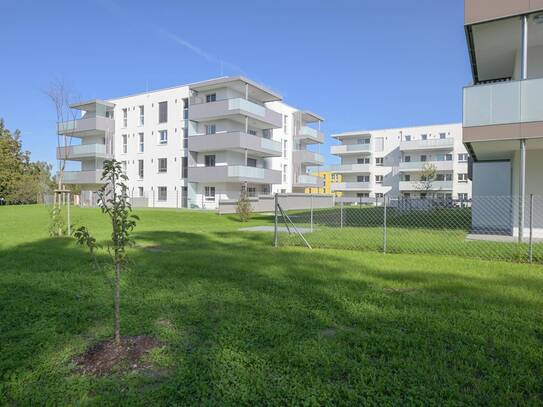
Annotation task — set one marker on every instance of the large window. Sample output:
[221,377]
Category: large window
[379,179]
[162,165]
[185,137]
[141,147]
[379,161]
[163,137]
[163,112]
[251,162]
[363,141]
[212,97]
[209,160]
[140,192]
[363,178]
[211,128]
[284,173]
[125,143]
[142,115]
[184,167]
[185,109]
[364,160]
[162,193]
[462,158]
[209,193]
[285,148]
[140,169]
[463,177]
[125,117]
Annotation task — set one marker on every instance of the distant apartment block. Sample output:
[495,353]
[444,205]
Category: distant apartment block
[196,144]
[329,178]
[503,113]
[405,162]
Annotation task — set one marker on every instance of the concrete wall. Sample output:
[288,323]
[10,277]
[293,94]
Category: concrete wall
[287,202]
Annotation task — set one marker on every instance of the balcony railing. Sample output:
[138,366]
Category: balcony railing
[352,168]
[85,126]
[503,103]
[309,134]
[431,144]
[420,165]
[83,151]
[351,186]
[309,181]
[236,140]
[351,149]
[422,186]
[234,173]
[83,177]
[308,157]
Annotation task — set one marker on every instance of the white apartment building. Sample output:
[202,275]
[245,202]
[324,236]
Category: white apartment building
[394,161]
[194,145]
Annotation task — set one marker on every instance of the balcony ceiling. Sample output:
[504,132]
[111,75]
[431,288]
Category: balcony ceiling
[502,149]
[237,83]
[496,46]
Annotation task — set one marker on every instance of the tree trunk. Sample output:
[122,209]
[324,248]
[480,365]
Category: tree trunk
[117,301]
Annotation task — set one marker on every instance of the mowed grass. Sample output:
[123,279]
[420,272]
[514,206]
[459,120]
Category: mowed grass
[246,324]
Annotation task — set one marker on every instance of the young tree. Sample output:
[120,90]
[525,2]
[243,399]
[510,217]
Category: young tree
[244,208]
[427,177]
[113,201]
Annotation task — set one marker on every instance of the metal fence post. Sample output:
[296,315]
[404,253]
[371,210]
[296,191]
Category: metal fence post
[177,199]
[69,217]
[275,236]
[341,214]
[311,199]
[531,243]
[384,224]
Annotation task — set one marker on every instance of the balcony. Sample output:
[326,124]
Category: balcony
[416,166]
[309,135]
[351,168]
[261,116]
[307,157]
[345,149]
[431,144]
[83,177]
[420,186]
[503,103]
[86,127]
[234,173]
[235,141]
[308,181]
[351,186]
[83,151]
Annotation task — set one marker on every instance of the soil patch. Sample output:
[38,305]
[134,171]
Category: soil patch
[104,357]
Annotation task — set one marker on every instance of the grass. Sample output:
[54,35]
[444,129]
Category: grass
[441,231]
[245,323]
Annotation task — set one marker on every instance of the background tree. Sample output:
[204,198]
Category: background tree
[427,177]
[113,201]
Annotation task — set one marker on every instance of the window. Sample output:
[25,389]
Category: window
[407,138]
[142,143]
[185,109]
[163,137]
[444,157]
[379,179]
[363,178]
[463,177]
[125,143]
[365,160]
[284,148]
[379,161]
[407,177]
[162,194]
[251,162]
[424,137]
[285,123]
[284,173]
[251,191]
[463,196]
[140,192]
[362,195]
[407,159]
[185,137]
[423,158]
[184,167]
[140,169]
[209,160]
[125,117]
[407,195]
[142,115]
[363,141]
[444,177]
[209,193]
[379,195]
[462,158]
[211,128]
[123,165]
[252,132]
[423,195]
[162,112]
[212,97]
[162,165]
[442,136]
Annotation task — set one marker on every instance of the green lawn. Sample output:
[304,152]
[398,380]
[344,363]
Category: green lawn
[244,323]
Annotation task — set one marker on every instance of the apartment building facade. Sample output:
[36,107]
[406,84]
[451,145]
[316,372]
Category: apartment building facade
[503,112]
[194,145]
[413,162]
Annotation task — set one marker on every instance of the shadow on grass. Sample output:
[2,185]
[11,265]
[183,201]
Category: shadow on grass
[251,324]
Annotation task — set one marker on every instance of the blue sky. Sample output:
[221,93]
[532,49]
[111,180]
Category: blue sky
[362,64]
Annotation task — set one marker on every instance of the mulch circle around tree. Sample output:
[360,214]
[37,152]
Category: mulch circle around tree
[104,357]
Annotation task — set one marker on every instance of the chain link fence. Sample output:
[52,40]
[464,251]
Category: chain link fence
[484,228]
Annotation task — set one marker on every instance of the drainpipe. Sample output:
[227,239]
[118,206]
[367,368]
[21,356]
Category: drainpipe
[524,50]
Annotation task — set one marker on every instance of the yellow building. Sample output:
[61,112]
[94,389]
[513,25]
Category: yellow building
[329,179]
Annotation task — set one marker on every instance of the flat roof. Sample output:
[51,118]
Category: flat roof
[239,82]
[311,117]
[89,105]
[369,132]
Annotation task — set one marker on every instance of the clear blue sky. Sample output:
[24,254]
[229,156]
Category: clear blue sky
[362,64]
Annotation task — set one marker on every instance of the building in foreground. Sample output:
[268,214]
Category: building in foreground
[394,162]
[196,144]
[503,113]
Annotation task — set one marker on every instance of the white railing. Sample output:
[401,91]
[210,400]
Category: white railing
[351,168]
[427,144]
